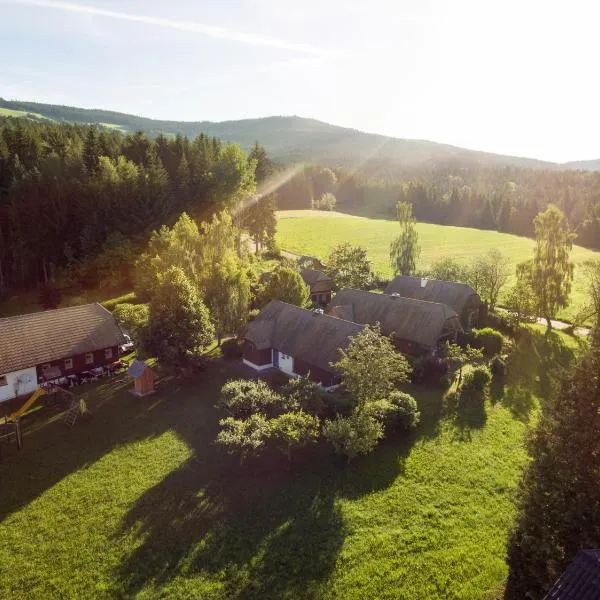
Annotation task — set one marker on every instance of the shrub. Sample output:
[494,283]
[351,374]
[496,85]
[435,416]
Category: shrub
[502,322]
[306,394]
[245,437]
[293,430]
[406,414]
[397,411]
[243,398]
[490,340]
[273,250]
[232,348]
[337,403]
[475,386]
[357,434]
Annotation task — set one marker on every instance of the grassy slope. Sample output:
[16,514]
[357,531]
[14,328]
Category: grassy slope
[316,232]
[139,501]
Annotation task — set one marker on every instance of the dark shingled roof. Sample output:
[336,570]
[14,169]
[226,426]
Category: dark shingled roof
[312,276]
[455,295]
[38,338]
[581,581]
[412,320]
[308,335]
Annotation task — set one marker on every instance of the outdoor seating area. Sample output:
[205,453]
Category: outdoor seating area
[70,381]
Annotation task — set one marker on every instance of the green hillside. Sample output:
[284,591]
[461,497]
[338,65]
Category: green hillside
[289,138]
[317,232]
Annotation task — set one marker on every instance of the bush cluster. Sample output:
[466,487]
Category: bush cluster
[299,413]
[490,340]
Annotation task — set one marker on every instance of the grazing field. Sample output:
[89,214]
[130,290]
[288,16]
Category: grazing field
[139,502]
[317,232]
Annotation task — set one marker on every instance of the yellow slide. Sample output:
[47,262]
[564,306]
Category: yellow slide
[39,392]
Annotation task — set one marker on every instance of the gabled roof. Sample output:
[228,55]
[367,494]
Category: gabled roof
[581,581]
[312,276]
[413,320]
[38,338]
[455,295]
[308,335]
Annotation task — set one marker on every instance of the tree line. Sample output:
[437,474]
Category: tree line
[503,199]
[69,193]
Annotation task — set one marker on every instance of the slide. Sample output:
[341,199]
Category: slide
[39,392]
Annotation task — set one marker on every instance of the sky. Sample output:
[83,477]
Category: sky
[515,77]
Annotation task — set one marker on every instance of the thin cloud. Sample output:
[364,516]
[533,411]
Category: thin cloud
[212,31]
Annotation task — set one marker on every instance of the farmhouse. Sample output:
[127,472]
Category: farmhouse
[54,343]
[415,326]
[320,285]
[460,297]
[297,341]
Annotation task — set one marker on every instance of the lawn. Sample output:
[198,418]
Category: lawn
[317,232]
[139,502]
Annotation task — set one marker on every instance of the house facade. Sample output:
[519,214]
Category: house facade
[320,284]
[62,342]
[297,342]
[416,327]
[461,298]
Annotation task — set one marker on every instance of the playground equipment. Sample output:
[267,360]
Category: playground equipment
[11,427]
[30,401]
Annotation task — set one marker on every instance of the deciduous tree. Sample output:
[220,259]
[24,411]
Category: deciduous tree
[405,249]
[287,285]
[349,267]
[294,430]
[370,367]
[179,322]
[551,270]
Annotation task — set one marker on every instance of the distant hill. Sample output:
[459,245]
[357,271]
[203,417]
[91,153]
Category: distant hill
[293,138]
[583,165]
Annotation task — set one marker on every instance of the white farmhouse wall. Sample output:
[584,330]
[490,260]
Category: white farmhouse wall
[286,363]
[19,383]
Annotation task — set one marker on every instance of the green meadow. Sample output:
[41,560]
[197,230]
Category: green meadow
[139,502]
[317,232]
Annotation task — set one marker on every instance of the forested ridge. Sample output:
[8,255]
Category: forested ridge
[71,192]
[294,138]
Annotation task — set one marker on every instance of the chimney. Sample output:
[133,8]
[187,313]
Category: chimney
[423,282]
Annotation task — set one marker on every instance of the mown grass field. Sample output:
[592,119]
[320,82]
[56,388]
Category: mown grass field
[139,502]
[317,232]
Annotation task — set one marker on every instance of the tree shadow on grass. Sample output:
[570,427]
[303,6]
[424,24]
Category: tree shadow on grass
[260,531]
[533,370]
[53,451]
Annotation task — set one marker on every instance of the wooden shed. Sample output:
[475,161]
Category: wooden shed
[143,378]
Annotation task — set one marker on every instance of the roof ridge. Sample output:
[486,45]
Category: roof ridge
[53,310]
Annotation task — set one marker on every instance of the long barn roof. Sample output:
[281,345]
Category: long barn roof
[413,320]
[38,338]
[308,335]
[455,295]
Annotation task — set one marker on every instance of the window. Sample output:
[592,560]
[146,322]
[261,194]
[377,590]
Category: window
[3,381]
[89,358]
[68,363]
[108,353]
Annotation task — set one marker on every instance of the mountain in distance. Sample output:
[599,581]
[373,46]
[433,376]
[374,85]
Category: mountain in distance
[292,139]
